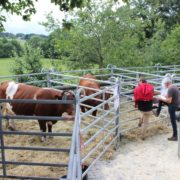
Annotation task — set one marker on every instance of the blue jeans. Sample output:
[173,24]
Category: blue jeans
[172,109]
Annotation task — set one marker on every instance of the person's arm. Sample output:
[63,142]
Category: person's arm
[166,99]
[156,92]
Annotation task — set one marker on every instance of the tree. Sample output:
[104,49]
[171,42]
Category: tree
[153,10]
[99,36]
[28,63]
[26,8]
[9,47]
[170,47]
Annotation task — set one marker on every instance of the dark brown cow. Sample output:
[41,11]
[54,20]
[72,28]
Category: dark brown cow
[95,85]
[12,90]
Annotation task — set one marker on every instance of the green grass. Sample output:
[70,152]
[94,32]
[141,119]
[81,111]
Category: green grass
[7,63]
[5,66]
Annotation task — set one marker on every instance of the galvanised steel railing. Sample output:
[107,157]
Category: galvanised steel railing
[5,147]
[108,125]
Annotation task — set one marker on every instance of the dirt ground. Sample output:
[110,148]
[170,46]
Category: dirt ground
[153,159]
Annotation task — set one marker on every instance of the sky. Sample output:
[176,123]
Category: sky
[15,24]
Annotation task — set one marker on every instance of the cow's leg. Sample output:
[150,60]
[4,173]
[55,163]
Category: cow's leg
[13,125]
[42,125]
[94,112]
[83,109]
[7,123]
[49,124]
[10,124]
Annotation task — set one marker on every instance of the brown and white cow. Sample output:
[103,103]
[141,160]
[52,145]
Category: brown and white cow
[95,88]
[12,90]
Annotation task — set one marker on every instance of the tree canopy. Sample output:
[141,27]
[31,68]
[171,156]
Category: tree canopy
[26,8]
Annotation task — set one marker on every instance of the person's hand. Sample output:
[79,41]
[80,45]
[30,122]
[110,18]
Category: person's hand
[161,98]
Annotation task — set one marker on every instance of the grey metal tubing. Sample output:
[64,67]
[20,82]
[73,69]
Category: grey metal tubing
[27,177]
[99,131]
[126,121]
[96,126]
[79,77]
[100,155]
[142,73]
[35,164]
[129,77]
[75,136]
[76,86]
[3,158]
[91,110]
[102,75]
[131,110]
[34,82]
[93,95]
[99,109]
[96,121]
[32,101]
[35,133]
[99,144]
[35,149]
[135,127]
[101,69]
[22,75]
[50,118]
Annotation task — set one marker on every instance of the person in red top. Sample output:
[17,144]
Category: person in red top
[143,97]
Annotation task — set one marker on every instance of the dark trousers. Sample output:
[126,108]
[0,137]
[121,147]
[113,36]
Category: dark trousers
[172,110]
[159,108]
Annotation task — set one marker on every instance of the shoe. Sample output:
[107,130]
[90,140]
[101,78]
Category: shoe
[155,112]
[178,116]
[140,123]
[173,138]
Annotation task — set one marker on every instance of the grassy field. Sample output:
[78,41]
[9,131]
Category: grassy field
[7,63]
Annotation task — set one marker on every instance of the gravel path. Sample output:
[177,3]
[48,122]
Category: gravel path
[153,159]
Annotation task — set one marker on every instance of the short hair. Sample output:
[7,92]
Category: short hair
[142,79]
[166,80]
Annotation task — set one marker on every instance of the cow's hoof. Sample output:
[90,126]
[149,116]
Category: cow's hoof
[12,128]
[43,139]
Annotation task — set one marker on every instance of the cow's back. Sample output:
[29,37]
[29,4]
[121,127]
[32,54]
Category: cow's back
[24,92]
[89,84]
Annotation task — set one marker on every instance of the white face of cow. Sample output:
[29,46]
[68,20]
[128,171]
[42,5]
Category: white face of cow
[11,90]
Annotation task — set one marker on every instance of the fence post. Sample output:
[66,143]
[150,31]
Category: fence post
[117,108]
[112,67]
[2,146]
[75,166]
[78,137]
[48,78]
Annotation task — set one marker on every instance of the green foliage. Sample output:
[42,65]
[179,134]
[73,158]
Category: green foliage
[26,8]
[28,63]
[170,47]
[9,47]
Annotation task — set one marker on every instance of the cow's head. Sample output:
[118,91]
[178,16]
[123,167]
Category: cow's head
[68,110]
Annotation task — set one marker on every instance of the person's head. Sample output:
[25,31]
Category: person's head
[142,79]
[166,82]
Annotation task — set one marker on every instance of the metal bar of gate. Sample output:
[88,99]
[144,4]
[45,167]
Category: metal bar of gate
[36,133]
[36,149]
[2,147]
[34,164]
[27,177]
[31,101]
[50,118]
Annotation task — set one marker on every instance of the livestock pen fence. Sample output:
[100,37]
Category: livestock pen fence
[88,137]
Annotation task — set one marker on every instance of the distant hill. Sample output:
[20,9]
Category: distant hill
[21,35]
